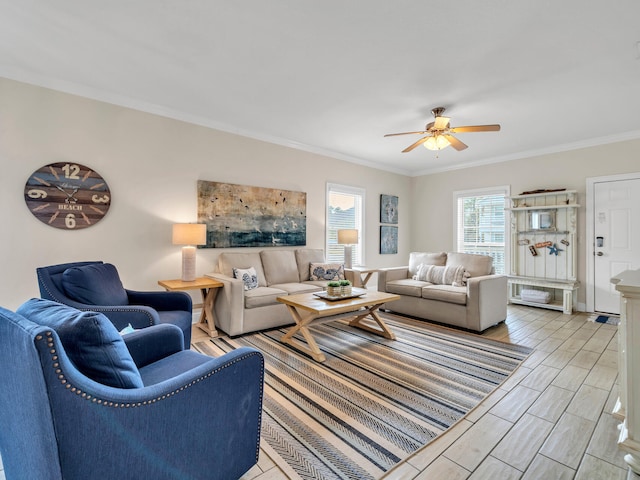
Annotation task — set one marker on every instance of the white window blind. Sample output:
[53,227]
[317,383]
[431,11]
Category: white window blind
[345,209]
[481,224]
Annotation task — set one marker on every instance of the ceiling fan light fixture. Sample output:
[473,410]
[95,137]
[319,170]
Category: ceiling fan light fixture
[437,142]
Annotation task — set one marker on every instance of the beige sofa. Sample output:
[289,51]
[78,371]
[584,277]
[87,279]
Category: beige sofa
[279,273]
[478,305]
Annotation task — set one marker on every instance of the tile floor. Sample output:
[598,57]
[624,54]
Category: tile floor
[550,420]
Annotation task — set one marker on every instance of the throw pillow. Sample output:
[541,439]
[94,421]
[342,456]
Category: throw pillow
[94,284]
[90,341]
[248,275]
[441,275]
[326,271]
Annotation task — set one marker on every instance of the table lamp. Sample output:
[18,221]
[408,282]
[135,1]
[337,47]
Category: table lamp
[189,235]
[348,238]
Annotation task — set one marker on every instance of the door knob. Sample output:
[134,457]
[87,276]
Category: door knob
[599,254]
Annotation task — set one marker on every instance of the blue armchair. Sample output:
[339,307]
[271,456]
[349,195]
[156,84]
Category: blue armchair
[192,416]
[96,286]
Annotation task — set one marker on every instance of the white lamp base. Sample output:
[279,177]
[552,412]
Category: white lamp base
[188,263]
[348,256]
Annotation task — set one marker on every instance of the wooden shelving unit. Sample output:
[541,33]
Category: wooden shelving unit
[537,267]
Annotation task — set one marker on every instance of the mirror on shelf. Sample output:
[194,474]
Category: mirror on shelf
[542,220]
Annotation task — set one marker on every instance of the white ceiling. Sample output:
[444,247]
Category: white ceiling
[333,76]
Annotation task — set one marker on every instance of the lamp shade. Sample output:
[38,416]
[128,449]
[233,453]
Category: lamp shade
[348,236]
[437,142]
[189,234]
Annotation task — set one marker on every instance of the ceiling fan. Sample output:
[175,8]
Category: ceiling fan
[439,133]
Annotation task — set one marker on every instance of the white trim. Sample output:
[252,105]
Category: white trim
[589,219]
[497,190]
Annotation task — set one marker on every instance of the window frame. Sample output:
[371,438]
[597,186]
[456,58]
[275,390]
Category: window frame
[331,240]
[504,190]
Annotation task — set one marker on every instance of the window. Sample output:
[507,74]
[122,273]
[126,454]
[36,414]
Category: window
[481,224]
[345,209]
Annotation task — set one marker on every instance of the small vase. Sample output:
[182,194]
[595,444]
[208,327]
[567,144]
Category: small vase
[345,290]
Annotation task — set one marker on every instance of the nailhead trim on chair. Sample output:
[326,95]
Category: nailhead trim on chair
[106,403]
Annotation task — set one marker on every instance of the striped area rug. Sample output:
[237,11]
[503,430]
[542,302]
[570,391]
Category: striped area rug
[374,401]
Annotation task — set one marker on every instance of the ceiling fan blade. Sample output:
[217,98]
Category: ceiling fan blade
[403,133]
[441,123]
[416,144]
[455,143]
[476,128]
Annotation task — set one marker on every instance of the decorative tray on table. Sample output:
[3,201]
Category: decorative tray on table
[355,293]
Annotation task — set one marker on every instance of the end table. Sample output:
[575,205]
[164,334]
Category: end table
[359,271]
[209,289]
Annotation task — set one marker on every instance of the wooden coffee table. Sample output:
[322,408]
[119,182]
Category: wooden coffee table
[307,309]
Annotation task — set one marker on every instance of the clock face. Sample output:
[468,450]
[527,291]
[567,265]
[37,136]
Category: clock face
[67,195]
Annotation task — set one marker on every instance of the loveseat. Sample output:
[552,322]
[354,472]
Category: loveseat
[458,289]
[247,302]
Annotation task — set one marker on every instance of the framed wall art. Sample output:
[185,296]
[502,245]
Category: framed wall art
[389,209]
[388,239]
[247,216]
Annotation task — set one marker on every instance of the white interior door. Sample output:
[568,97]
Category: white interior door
[616,237]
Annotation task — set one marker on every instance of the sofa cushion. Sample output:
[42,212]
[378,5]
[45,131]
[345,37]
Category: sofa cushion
[326,271]
[446,293]
[305,257]
[295,288]
[406,286]
[476,265]
[170,367]
[418,258]
[90,341]
[262,296]
[249,277]
[227,261]
[438,275]
[279,266]
[94,284]
[321,284]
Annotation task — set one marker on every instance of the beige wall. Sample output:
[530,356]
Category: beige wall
[152,165]
[433,222]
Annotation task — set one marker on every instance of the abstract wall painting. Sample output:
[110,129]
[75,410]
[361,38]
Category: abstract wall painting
[389,209]
[388,239]
[246,216]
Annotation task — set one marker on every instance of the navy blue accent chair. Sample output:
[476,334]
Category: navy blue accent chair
[96,286]
[195,417]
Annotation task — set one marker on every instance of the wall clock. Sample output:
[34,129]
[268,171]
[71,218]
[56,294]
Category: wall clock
[67,195]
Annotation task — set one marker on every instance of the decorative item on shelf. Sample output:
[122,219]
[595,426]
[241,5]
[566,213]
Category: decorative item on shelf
[348,237]
[544,220]
[543,190]
[554,250]
[543,244]
[189,235]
